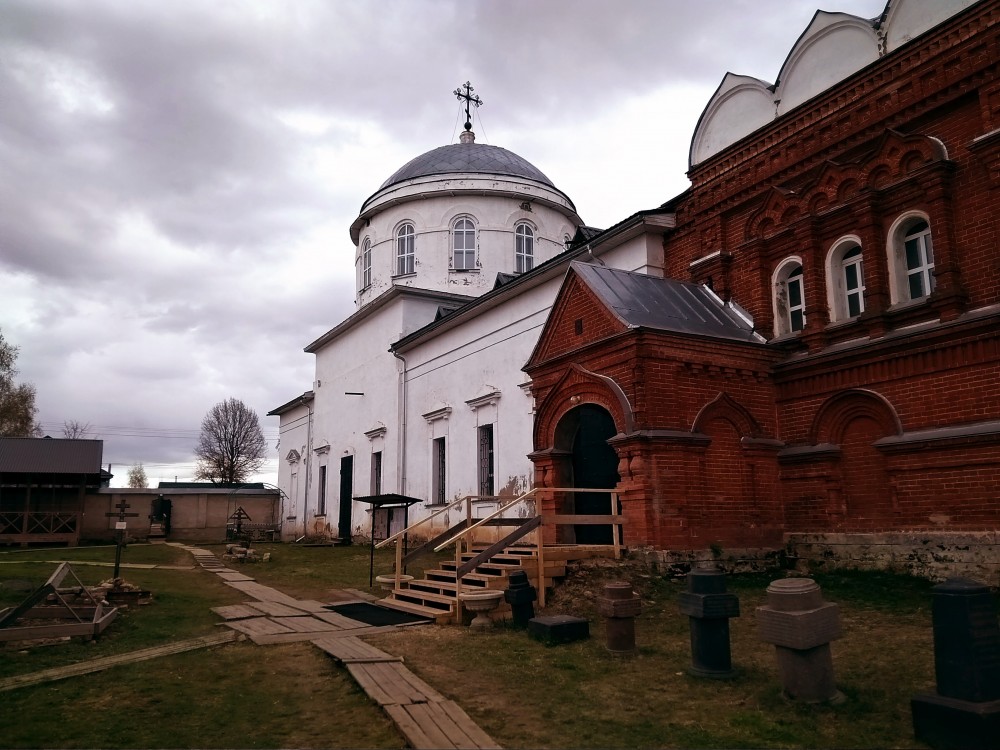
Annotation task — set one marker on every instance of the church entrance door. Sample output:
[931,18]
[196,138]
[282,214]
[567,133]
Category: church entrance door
[595,466]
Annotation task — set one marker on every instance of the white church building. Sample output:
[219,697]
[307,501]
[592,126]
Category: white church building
[459,256]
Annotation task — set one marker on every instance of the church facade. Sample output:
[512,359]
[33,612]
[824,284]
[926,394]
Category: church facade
[803,343]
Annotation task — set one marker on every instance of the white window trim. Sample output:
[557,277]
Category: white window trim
[465,252]
[366,263]
[836,287]
[899,285]
[779,291]
[409,267]
[521,239]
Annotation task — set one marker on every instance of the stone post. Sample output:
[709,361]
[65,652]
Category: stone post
[620,606]
[520,595]
[801,625]
[709,608]
[965,710]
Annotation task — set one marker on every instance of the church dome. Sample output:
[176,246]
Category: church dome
[465,158]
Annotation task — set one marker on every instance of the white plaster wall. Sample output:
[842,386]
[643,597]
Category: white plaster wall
[495,217]
[908,19]
[481,357]
[294,434]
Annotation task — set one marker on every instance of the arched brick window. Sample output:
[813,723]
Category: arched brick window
[366,264]
[788,297]
[911,258]
[524,248]
[845,279]
[463,244]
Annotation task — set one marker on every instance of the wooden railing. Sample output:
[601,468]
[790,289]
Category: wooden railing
[462,533]
[39,526]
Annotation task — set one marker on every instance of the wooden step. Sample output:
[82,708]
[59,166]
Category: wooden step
[426,598]
[448,587]
[440,616]
[472,579]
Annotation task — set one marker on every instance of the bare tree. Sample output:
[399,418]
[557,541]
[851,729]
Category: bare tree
[137,477]
[17,402]
[231,446]
[74,430]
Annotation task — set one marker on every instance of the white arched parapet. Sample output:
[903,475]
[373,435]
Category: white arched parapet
[833,46]
[737,108]
[908,19]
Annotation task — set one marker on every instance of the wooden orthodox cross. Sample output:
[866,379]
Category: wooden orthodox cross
[470,99]
[120,531]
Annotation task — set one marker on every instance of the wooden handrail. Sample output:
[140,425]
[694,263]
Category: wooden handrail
[482,521]
[496,547]
[422,521]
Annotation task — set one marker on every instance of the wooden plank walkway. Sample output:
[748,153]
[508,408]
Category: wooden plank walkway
[106,662]
[426,718]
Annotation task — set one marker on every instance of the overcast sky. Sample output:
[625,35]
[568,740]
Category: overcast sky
[177,178]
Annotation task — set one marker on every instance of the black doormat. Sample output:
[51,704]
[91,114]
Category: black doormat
[373,614]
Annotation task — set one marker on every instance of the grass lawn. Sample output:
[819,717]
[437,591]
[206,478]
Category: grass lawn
[522,693]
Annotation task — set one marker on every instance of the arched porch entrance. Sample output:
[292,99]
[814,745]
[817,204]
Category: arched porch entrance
[583,432]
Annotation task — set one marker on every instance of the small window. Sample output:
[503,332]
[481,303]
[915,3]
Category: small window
[405,249]
[919,260]
[486,466]
[321,493]
[789,298]
[524,248]
[439,470]
[366,264]
[911,259]
[463,245]
[846,279]
[376,473]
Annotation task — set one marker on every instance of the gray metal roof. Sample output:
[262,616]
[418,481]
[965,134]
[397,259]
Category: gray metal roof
[642,301]
[50,456]
[468,157]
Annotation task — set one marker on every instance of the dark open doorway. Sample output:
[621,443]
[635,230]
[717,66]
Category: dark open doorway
[346,498]
[586,431]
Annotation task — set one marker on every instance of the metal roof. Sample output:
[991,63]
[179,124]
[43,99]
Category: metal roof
[20,455]
[468,157]
[642,301]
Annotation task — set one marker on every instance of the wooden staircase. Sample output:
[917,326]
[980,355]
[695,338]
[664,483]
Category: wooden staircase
[434,595]
[488,566]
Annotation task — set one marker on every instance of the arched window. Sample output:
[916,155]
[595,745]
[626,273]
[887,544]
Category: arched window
[463,243]
[405,237]
[524,248]
[911,259]
[845,278]
[919,260]
[366,264]
[789,298]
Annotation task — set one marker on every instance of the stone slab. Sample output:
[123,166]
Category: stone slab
[554,629]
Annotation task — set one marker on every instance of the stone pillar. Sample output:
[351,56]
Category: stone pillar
[520,595]
[709,608]
[620,606]
[801,625]
[965,710]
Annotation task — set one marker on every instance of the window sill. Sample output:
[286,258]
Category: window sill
[403,275]
[465,270]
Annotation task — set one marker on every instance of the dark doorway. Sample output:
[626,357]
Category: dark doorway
[346,498]
[595,466]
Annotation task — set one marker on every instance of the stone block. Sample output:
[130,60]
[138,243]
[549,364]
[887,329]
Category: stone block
[953,724]
[799,630]
[554,629]
[709,606]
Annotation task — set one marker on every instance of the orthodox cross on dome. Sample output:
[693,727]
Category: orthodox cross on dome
[470,99]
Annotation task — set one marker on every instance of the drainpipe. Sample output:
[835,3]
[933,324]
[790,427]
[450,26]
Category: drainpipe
[309,450]
[401,452]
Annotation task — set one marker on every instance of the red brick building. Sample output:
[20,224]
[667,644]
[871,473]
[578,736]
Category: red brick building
[850,246]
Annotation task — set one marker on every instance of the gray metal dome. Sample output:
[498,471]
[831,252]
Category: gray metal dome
[468,157]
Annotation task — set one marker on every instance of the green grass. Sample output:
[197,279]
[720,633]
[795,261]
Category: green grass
[521,692]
